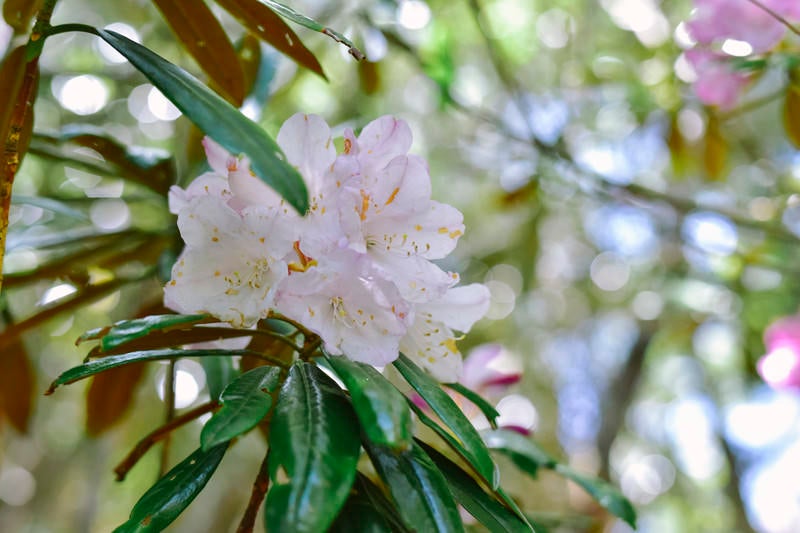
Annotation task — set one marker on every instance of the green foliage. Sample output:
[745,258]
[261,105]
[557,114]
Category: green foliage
[314,449]
[165,500]
[380,408]
[127,330]
[244,403]
[418,489]
[465,437]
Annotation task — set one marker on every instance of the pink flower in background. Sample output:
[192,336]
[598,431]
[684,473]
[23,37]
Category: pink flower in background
[717,83]
[490,370]
[714,21]
[780,367]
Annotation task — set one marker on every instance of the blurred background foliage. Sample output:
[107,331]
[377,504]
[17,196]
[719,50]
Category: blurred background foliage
[636,245]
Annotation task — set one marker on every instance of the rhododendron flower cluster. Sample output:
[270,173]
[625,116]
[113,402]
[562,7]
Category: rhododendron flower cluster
[357,269]
[780,366]
[713,22]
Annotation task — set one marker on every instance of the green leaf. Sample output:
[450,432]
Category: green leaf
[605,494]
[525,453]
[171,494]
[418,488]
[219,372]
[477,400]
[381,409]
[96,366]
[127,330]
[484,507]
[289,13]
[216,117]
[314,452]
[367,511]
[50,204]
[244,403]
[464,432]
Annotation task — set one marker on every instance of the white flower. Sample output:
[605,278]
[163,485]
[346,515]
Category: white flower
[232,262]
[344,300]
[430,341]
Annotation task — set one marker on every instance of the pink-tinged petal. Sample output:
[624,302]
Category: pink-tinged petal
[219,159]
[789,9]
[518,412]
[248,189]
[208,184]
[432,346]
[417,279]
[306,141]
[742,20]
[382,140]
[784,332]
[460,307]
[402,187]
[780,368]
[352,310]
[232,263]
[717,83]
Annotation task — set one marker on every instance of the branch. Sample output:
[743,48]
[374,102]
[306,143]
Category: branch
[260,487]
[159,434]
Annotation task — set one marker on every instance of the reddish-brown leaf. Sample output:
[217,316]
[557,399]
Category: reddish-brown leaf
[370,76]
[206,40]
[791,114]
[16,385]
[19,13]
[715,153]
[110,396]
[270,27]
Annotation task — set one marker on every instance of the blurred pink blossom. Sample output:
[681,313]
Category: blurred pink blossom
[741,20]
[717,83]
[780,367]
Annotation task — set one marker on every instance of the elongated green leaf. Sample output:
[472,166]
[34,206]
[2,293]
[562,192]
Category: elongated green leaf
[605,494]
[267,25]
[476,399]
[151,167]
[525,453]
[244,403]
[446,409]
[205,39]
[171,494]
[360,513]
[126,330]
[219,372]
[381,409]
[378,501]
[314,452]
[289,13]
[50,204]
[99,365]
[529,457]
[418,489]
[216,117]
[484,507]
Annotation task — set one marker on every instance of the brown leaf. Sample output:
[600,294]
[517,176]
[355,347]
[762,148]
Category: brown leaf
[19,13]
[110,396]
[715,153]
[370,75]
[206,40]
[16,385]
[249,52]
[270,27]
[791,114]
